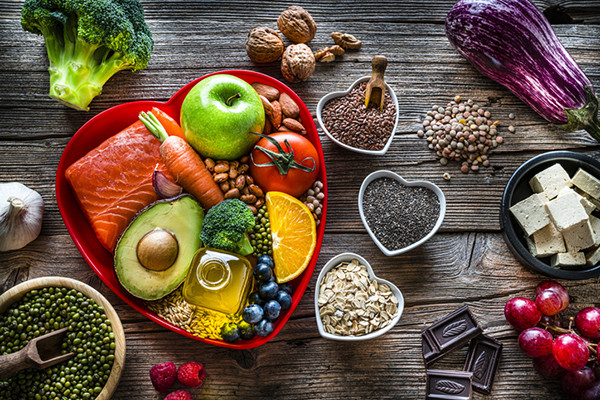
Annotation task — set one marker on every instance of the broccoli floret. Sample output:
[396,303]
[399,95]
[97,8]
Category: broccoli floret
[88,41]
[225,227]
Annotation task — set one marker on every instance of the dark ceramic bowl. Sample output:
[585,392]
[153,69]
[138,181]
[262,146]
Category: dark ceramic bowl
[518,189]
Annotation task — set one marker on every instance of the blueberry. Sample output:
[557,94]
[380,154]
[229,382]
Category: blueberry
[252,313]
[262,272]
[255,298]
[272,310]
[230,332]
[287,287]
[284,299]
[264,328]
[265,259]
[247,330]
[268,290]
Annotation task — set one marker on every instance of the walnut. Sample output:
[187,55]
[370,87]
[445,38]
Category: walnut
[297,63]
[346,41]
[297,24]
[264,45]
[328,53]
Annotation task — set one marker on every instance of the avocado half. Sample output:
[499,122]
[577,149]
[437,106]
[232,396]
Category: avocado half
[181,217]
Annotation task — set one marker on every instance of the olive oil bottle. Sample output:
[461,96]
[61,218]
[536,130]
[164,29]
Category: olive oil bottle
[218,280]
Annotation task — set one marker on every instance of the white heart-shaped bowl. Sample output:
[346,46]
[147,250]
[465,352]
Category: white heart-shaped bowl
[389,174]
[325,99]
[348,257]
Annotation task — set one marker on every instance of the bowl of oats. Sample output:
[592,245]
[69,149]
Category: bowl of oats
[351,303]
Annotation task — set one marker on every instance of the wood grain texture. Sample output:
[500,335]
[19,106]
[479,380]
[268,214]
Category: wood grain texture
[467,263]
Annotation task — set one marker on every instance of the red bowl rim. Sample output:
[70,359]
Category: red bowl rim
[64,189]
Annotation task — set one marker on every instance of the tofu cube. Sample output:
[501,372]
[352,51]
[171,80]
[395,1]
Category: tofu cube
[588,183]
[531,245]
[548,241]
[566,210]
[531,214]
[589,198]
[567,259]
[587,205]
[579,237]
[595,222]
[593,257]
[551,181]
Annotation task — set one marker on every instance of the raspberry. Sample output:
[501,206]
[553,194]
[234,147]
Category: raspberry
[179,395]
[163,376]
[191,374]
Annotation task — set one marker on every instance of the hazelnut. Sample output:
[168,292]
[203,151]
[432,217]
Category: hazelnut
[297,24]
[264,45]
[297,63]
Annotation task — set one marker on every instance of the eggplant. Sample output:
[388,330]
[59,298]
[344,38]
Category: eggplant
[511,42]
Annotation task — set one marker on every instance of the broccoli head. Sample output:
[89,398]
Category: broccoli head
[225,227]
[88,41]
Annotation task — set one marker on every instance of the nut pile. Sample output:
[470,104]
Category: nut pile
[347,119]
[283,114]
[298,62]
[350,304]
[463,132]
[313,199]
[235,182]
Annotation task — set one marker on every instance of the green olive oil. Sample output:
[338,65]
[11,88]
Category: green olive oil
[218,280]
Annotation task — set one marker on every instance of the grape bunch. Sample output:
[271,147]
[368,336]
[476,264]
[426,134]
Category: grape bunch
[265,304]
[565,350]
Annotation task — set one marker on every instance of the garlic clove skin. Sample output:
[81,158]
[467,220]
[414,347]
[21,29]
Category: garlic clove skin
[21,213]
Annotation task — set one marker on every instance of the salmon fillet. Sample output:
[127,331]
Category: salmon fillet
[113,182]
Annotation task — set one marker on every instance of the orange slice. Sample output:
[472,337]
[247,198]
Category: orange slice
[294,234]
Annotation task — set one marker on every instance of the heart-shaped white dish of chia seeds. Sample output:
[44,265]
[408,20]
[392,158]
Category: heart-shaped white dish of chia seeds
[389,174]
[348,258]
[325,99]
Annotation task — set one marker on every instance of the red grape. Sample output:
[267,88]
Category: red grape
[522,313]
[592,393]
[555,287]
[587,322]
[570,352]
[575,383]
[549,302]
[548,367]
[536,342]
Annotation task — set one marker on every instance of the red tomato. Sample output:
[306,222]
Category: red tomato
[296,181]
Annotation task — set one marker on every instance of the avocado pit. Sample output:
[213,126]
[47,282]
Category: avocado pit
[157,250]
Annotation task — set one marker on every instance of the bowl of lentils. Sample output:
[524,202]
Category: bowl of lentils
[400,215]
[349,124]
[43,305]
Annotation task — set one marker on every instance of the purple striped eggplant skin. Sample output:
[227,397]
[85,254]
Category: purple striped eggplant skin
[511,42]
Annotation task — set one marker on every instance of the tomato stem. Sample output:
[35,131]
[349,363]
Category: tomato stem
[283,160]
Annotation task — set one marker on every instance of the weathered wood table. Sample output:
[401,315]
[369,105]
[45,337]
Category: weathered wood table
[466,263]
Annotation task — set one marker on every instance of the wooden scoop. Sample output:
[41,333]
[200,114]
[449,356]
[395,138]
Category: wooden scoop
[376,86]
[41,352]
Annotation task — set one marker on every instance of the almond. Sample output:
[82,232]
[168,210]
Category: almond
[293,125]
[267,91]
[266,104]
[275,117]
[268,127]
[289,106]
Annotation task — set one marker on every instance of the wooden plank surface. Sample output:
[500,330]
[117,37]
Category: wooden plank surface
[467,263]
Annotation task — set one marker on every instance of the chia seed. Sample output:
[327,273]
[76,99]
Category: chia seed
[399,215]
[347,119]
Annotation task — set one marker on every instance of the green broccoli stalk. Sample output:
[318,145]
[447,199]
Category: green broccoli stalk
[88,41]
[225,227]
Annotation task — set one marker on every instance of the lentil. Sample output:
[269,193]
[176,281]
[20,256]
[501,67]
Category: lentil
[399,215]
[348,121]
[90,336]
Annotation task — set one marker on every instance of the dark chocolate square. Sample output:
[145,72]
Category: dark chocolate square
[482,360]
[449,385]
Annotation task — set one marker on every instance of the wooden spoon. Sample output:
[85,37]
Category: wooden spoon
[376,87]
[42,352]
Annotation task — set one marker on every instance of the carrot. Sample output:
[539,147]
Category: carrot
[170,125]
[184,164]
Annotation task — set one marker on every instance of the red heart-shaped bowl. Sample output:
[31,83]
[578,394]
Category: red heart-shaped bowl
[111,122]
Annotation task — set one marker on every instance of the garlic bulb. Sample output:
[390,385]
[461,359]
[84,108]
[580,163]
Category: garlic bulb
[21,212]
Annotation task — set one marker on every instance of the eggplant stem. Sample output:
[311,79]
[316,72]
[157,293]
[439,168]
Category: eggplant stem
[585,117]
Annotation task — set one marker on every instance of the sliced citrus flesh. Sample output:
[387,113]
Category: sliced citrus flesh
[294,234]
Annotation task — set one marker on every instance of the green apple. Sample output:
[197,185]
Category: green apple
[219,113]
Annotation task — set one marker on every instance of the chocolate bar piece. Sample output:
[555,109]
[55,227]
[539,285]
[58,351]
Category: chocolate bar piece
[449,385]
[482,360]
[452,331]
